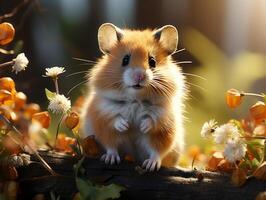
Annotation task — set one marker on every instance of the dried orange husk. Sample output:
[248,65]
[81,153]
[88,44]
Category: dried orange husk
[233,98]
[260,130]
[260,172]
[20,100]
[5,95]
[5,111]
[31,109]
[239,177]
[216,158]
[11,190]
[63,143]
[7,83]
[91,147]
[8,113]
[258,112]
[261,196]
[72,120]
[7,33]
[225,166]
[43,118]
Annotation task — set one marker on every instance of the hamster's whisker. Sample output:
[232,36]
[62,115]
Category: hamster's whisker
[179,50]
[87,64]
[74,87]
[195,75]
[164,88]
[75,73]
[184,62]
[195,85]
[85,60]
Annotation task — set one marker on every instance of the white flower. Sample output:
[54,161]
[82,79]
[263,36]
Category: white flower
[20,63]
[225,132]
[53,72]
[59,104]
[234,150]
[208,128]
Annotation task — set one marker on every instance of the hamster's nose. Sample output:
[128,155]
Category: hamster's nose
[139,77]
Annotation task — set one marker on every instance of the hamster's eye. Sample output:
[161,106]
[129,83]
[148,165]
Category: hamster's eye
[126,60]
[152,62]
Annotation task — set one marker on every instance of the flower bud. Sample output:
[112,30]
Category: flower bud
[72,120]
[233,98]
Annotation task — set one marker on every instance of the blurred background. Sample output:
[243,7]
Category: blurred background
[225,40]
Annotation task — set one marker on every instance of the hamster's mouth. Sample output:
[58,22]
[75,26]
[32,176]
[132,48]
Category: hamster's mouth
[137,87]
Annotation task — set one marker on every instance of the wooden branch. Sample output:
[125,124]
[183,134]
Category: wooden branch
[174,183]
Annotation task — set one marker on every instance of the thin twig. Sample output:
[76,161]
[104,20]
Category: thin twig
[45,164]
[14,11]
[57,129]
[252,94]
[6,64]
[56,85]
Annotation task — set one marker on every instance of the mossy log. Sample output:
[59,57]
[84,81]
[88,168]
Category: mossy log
[170,183]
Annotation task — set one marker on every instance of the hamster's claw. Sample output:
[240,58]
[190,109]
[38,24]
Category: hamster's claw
[151,164]
[110,158]
[121,124]
[146,125]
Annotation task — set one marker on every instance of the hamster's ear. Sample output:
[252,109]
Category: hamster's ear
[108,35]
[168,37]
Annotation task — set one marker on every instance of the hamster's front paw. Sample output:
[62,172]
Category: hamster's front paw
[152,164]
[121,124]
[111,157]
[146,125]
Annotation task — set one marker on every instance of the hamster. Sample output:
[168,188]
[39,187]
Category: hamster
[135,99]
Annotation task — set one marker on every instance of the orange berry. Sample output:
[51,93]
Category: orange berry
[20,100]
[258,112]
[31,109]
[5,95]
[7,83]
[43,118]
[233,98]
[7,33]
[72,120]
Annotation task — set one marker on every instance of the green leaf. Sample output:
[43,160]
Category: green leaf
[49,94]
[255,164]
[254,151]
[88,191]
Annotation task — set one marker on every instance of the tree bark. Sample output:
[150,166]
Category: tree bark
[167,183]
